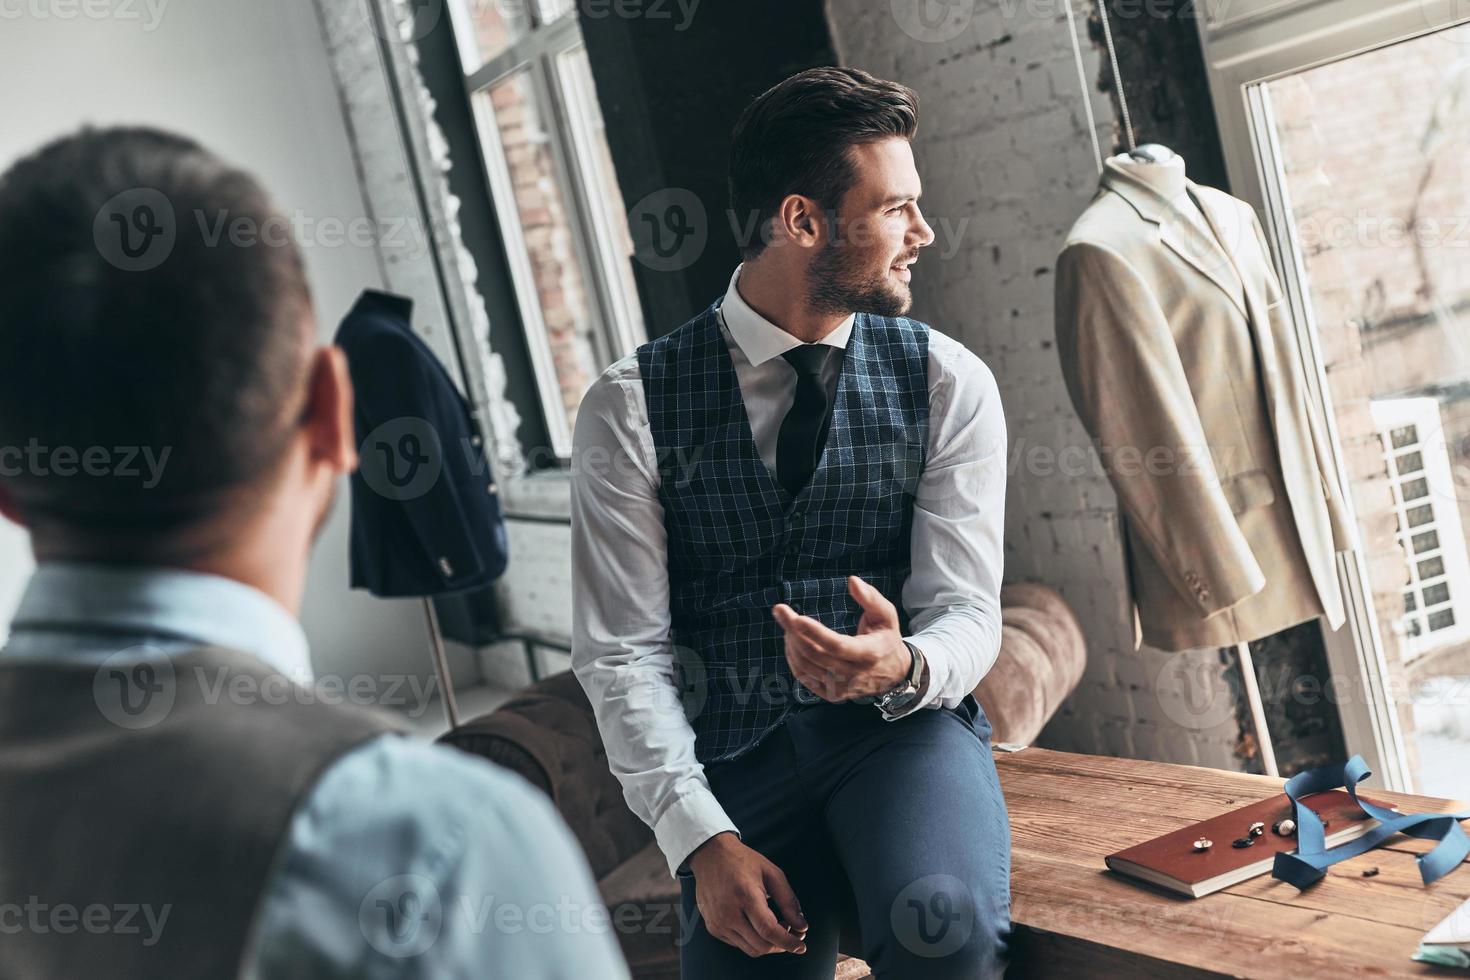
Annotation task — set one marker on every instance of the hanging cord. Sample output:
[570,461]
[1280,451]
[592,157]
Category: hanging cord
[1102,10]
[1086,89]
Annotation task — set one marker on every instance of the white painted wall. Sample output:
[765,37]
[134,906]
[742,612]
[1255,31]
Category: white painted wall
[250,81]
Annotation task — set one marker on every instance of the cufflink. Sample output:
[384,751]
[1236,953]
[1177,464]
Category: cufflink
[1257,829]
[1285,827]
[1203,844]
[1243,842]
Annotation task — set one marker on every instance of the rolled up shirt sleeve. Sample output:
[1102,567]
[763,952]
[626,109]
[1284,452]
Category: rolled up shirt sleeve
[621,648]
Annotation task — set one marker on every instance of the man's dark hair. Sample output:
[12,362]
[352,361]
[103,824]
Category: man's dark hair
[794,139]
[152,301]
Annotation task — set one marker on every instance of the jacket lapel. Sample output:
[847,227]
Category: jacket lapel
[1211,259]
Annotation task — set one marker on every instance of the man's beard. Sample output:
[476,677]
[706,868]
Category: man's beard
[837,283]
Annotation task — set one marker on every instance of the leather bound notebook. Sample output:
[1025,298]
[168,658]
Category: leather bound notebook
[1171,862]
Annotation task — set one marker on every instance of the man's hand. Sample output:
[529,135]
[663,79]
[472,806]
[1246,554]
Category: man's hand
[839,668]
[734,886]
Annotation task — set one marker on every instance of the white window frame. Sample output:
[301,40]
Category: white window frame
[1246,43]
[538,53]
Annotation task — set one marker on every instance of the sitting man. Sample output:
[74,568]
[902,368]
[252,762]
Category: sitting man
[786,552]
[172,436]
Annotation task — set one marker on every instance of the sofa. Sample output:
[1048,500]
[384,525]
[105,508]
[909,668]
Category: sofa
[547,733]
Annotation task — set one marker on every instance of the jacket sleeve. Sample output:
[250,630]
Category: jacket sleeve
[1343,537]
[1125,378]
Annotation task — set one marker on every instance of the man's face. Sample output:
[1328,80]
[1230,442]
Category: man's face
[865,265]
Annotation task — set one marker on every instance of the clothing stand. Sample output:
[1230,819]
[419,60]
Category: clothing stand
[1258,708]
[1242,650]
[441,667]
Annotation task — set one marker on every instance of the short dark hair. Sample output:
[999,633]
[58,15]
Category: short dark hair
[132,319]
[794,138]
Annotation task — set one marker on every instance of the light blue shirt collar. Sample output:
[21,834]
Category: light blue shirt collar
[70,606]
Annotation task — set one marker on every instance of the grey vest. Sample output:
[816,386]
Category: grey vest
[139,822]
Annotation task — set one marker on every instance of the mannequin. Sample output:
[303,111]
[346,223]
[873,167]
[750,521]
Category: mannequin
[1161,169]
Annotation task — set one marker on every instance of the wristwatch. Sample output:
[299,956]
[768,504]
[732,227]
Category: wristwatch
[907,689]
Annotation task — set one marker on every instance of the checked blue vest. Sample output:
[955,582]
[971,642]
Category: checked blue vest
[739,543]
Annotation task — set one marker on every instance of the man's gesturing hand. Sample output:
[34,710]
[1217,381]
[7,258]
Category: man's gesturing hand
[839,668]
[733,887]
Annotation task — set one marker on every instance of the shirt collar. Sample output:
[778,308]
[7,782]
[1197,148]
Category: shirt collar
[758,338]
[168,603]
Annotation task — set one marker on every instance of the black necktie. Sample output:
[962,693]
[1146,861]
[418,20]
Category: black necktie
[804,429]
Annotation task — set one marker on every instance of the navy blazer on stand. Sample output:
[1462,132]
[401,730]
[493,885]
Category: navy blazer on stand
[426,517]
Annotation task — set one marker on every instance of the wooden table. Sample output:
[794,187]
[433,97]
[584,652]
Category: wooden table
[1075,918]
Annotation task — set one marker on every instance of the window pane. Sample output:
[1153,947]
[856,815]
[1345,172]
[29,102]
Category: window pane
[550,10]
[604,196]
[495,26]
[550,243]
[1372,160]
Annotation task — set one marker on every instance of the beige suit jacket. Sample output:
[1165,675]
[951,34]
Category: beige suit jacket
[1183,363]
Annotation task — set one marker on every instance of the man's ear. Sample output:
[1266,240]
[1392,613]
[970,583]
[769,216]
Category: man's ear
[329,422]
[801,220]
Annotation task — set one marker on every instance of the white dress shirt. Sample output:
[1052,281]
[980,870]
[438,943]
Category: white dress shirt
[621,648]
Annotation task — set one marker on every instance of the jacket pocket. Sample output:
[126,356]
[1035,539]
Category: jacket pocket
[1248,490]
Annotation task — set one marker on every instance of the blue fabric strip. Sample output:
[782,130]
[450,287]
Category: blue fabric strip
[1312,857]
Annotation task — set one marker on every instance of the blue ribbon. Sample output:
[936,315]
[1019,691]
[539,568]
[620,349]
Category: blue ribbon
[1312,857]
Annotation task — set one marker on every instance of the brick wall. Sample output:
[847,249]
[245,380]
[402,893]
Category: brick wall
[1007,165]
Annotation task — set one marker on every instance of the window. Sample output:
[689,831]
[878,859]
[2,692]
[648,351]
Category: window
[1345,124]
[560,210]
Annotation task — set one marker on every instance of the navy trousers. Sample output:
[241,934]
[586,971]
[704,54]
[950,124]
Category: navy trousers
[897,825]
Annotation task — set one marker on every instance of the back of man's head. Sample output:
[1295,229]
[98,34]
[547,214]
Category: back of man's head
[155,335]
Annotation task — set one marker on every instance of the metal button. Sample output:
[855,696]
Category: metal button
[492,488]
[475,441]
[445,568]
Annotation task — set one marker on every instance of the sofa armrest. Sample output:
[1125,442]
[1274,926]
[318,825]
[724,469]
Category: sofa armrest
[548,734]
[1042,655]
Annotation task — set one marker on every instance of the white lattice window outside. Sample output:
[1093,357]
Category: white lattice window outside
[1437,583]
